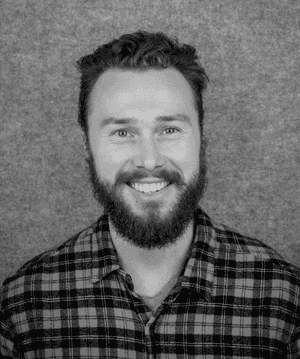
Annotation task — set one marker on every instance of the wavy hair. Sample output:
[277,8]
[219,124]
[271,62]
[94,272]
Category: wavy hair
[140,51]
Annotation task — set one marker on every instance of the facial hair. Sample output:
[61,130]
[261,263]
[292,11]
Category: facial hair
[150,230]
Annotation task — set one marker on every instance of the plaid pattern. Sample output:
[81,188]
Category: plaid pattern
[235,298]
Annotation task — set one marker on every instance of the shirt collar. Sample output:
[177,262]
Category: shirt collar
[103,253]
[199,269]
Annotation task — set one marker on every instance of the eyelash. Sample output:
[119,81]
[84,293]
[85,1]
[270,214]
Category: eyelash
[168,128]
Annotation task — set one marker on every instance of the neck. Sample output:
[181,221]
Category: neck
[148,265]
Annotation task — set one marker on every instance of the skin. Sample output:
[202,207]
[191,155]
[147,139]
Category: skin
[152,234]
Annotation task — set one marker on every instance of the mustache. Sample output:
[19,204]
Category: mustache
[172,177]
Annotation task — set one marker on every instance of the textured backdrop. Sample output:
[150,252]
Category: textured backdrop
[250,50]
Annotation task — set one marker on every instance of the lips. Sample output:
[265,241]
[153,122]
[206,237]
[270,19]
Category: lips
[149,193]
[146,187]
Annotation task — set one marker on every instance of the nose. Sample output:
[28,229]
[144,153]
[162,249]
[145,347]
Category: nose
[148,155]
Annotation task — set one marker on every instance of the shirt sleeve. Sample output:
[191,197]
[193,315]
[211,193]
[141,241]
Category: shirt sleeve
[7,346]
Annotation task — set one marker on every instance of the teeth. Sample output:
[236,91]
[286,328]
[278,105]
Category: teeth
[148,188]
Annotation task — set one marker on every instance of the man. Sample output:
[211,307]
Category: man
[154,277]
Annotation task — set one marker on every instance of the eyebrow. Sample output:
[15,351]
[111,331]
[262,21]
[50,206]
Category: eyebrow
[129,121]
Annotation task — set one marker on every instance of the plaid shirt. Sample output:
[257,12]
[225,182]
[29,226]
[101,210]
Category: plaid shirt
[235,298]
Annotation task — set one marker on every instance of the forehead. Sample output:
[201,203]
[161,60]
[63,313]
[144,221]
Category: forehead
[125,90]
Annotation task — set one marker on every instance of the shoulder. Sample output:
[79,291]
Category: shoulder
[232,246]
[49,264]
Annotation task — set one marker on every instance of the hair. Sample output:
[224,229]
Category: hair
[140,51]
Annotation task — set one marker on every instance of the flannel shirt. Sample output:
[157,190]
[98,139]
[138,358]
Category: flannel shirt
[235,298]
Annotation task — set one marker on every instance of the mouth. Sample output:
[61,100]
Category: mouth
[149,193]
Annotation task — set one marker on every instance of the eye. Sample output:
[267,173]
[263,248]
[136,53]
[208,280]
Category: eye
[172,128]
[121,131]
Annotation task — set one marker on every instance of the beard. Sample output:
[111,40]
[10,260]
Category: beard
[150,230]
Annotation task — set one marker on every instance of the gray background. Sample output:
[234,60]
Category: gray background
[250,50]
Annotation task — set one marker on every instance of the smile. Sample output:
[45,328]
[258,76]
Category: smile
[148,188]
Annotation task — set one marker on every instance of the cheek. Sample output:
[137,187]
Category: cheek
[110,161]
[186,156]
[114,156]
[107,153]
[182,151]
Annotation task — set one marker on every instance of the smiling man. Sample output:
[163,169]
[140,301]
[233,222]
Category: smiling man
[147,170]
[154,277]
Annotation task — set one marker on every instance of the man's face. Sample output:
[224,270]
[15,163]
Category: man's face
[160,144]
